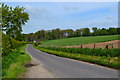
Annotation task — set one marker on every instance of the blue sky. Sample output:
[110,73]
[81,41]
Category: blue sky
[68,15]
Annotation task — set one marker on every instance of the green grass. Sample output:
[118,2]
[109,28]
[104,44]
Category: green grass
[0,53]
[101,60]
[80,40]
[87,51]
[13,64]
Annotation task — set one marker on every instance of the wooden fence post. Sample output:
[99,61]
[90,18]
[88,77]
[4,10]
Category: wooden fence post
[94,45]
[81,46]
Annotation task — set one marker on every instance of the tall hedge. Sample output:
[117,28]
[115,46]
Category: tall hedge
[9,44]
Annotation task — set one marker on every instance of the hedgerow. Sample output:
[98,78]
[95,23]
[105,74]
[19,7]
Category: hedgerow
[13,63]
[11,53]
[9,44]
[86,55]
[87,51]
[37,43]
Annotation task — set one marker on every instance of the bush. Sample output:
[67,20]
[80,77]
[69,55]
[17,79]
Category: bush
[9,44]
[18,58]
[22,53]
[37,43]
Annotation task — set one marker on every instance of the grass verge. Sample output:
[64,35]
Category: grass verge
[111,62]
[15,60]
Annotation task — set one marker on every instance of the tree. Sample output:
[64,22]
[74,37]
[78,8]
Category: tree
[103,31]
[39,35]
[118,30]
[86,32]
[112,31]
[56,33]
[0,17]
[70,33]
[13,19]
[63,34]
[78,32]
[30,37]
[95,31]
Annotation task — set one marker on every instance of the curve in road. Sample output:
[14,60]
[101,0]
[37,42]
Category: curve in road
[68,68]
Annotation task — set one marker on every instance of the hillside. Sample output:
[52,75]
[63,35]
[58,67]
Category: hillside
[80,40]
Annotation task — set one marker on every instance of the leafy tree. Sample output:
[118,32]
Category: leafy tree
[103,31]
[49,35]
[86,32]
[57,33]
[30,37]
[13,19]
[118,30]
[78,32]
[63,34]
[70,33]
[95,31]
[112,31]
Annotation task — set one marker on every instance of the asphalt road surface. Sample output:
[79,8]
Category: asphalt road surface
[68,68]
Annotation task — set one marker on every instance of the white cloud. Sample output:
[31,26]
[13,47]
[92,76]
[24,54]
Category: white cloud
[28,7]
[50,17]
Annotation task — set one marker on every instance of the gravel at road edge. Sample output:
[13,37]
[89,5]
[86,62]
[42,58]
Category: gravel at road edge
[38,71]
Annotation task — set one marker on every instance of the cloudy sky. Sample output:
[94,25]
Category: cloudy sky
[65,15]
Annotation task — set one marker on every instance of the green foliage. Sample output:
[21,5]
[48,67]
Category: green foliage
[30,42]
[13,19]
[95,31]
[103,31]
[43,35]
[13,63]
[87,51]
[22,53]
[37,43]
[11,51]
[80,40]
[101,60]
[112,31]
[86,32]
[9,44]
[118,30]
[78,33]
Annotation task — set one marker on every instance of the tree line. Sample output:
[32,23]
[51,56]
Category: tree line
[57,33]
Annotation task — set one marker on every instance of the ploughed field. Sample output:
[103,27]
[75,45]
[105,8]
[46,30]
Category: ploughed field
[80,40]
[108,45]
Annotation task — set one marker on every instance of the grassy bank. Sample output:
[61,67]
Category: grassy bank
[87,51]
[80,40]
[101,60]
[13,63]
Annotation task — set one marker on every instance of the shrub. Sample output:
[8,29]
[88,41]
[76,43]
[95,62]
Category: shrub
[22,53]
[9,44]
[37,43]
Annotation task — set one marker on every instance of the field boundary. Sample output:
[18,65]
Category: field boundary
[86,58]
[110,44]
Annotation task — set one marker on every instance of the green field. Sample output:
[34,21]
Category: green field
[80,40]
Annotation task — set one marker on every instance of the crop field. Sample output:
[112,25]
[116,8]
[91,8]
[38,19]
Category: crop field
[80,40]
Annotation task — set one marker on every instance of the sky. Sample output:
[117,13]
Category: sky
[68,15]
